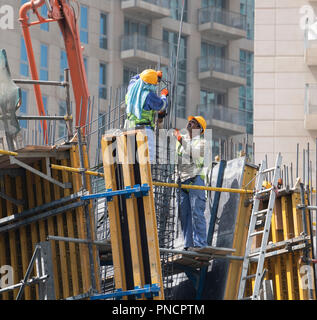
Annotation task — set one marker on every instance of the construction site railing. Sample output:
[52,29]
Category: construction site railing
[219,64]
[139,42]
[222,113]
[218,15]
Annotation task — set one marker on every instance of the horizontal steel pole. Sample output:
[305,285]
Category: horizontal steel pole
[76,240]
[41,216]
[41,82]
[77,170]
[38,209]
[300,206]
[64,118]
[193,187]
[159,184]
[28,283]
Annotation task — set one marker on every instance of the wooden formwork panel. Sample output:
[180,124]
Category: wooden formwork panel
[133,230]
[70,260]
[284,269]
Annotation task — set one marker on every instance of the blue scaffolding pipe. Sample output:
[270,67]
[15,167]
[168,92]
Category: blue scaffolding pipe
[137,190]
[148,290]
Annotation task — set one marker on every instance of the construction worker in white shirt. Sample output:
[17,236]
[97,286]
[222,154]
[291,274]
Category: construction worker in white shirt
[190,170]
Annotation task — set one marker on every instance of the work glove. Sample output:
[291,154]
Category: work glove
[164,92]
[178,135]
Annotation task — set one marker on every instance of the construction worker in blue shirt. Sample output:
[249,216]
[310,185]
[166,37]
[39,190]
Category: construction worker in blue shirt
[142,103]
[190,164]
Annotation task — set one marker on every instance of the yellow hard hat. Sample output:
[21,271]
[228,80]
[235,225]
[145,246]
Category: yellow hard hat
[149,76]
[266,185]
[200,120]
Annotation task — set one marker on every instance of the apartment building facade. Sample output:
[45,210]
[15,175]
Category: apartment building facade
[285,83]
[122,37]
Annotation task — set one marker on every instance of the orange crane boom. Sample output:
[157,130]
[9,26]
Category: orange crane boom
[62,12]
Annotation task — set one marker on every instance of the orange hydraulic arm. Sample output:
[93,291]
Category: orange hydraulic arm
[63,13]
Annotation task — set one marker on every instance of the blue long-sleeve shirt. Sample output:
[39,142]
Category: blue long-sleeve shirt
[152,101]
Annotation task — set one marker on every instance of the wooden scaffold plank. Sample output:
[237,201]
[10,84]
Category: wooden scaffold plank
[133,218]
[107,145]
[12,234]
[92,220]
[298,228]
[149,212]
[278,262]
[34,225]
[62,245]
[71,233]
[288,230]
[23,237]
[80,219]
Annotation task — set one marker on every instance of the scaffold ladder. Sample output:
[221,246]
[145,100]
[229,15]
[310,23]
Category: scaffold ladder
[259,255]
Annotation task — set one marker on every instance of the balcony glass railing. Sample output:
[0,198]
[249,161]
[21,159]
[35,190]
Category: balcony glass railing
[138,42]
[311,99]
[160,3]
[219,64]
[221,16]
[221,113]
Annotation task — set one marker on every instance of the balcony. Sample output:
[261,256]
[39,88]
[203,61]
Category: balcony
[310,119]
[231,121]
[310,45]
[220,73]
[221,23]
[151,9]
[144,51]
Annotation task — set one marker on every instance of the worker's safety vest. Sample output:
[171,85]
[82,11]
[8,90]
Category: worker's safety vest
[198,162]
[147,119]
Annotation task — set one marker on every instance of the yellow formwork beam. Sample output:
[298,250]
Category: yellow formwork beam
[159,184]
[8,153]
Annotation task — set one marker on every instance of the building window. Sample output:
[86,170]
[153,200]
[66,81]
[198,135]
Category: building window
[44,26]
[176,9]
[221,4]
[247,9]
[23,108]
[84,24]
[63,64]
[102,81]
[44,62]
[246,92]
[61,124]
[103,43]
[132,27]
[24,65]
[172,39]
[208,99]
[208,49]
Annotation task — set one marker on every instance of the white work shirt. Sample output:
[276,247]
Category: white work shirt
[190,155]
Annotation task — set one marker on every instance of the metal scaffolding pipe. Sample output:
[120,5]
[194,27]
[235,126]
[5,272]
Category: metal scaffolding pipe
[155,183]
